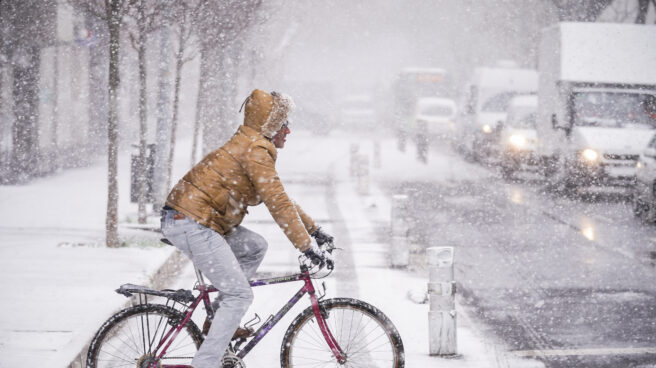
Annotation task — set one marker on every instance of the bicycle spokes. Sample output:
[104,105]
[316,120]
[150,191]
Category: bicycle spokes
[361,336]
[134,341]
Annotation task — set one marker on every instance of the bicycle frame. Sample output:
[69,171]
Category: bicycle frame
[205,290]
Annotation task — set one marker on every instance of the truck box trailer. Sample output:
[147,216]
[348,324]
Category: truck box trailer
[597,104]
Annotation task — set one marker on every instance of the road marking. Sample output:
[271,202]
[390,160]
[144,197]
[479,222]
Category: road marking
[591,351]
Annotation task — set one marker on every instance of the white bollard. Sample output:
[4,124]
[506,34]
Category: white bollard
[363,174]
[353,168]
[442,292]
[400,245]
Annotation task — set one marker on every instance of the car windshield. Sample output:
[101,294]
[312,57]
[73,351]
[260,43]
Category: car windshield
[613,109]
[436,110]
[527,121]
[498,103]
[522,117]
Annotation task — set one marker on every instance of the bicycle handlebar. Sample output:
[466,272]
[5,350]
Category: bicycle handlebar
[330,265]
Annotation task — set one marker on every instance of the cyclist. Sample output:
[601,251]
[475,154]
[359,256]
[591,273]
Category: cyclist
[204,210]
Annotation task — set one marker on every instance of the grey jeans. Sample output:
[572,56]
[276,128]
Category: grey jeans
[228,262]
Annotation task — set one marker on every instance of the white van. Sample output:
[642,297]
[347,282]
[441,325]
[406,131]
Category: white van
[517,137]
[485,104]
[597,109]
[433,116]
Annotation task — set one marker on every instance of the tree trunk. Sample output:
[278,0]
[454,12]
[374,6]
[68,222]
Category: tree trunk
[176,103]
[54,148]
[111,221]
[216,129]
[143,131]
[97,81]
[199,108]
[163,137]
[26,111]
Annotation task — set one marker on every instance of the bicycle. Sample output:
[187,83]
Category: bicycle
[334,332]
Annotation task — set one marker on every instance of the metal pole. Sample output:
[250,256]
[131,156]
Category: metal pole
[442,311]
[399,250]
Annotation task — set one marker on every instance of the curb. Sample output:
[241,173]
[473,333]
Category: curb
[159,279]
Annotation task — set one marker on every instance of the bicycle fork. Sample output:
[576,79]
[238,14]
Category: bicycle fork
[327,335]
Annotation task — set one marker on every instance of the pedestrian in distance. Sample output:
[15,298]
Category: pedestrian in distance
[204,210]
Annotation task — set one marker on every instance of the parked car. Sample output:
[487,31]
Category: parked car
[517,136]
[433,116]
[644,191]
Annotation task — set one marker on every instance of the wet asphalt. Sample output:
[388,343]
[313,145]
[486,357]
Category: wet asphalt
[567,280]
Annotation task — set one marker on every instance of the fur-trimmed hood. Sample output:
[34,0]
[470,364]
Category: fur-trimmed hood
[267,112]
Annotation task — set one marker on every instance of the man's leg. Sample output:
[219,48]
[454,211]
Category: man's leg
[249,247]
[213,256]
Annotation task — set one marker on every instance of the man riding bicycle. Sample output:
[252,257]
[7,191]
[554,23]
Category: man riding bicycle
[203,213]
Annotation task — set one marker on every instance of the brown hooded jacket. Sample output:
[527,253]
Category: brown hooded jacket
[216,192]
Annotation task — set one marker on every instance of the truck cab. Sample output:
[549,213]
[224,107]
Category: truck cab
[597,108]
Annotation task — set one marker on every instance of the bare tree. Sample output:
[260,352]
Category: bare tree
[146,16]
[28,27]
[186,12]
[221,24]
[111,12]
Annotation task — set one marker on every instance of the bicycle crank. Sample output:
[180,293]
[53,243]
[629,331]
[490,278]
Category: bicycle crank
[148,361]
[230,360]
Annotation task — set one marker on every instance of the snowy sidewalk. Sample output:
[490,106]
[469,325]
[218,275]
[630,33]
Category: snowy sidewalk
[56,276]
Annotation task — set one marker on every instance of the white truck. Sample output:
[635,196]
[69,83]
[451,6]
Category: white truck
[597,104]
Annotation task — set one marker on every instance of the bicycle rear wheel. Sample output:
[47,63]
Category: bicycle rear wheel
[365,335]
[129,338]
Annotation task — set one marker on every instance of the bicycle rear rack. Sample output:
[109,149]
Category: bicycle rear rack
[180,295]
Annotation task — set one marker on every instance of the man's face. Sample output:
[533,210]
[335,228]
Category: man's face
[279,139]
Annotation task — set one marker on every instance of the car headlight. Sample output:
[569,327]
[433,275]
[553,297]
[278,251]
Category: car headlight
[517,141]
[590,155]
[487,129]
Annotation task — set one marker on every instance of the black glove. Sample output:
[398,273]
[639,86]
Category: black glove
[321,237]
[319,257]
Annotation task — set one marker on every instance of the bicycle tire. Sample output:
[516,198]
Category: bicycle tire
[296,351]
[122,340]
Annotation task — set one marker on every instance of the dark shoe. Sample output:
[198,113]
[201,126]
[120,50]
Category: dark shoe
[243,333]
[206,325]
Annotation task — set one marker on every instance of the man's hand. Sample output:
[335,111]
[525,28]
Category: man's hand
[321,237]
[319,257]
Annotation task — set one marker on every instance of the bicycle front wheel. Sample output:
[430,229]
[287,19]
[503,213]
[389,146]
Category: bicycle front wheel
[366,336]
[131,336]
